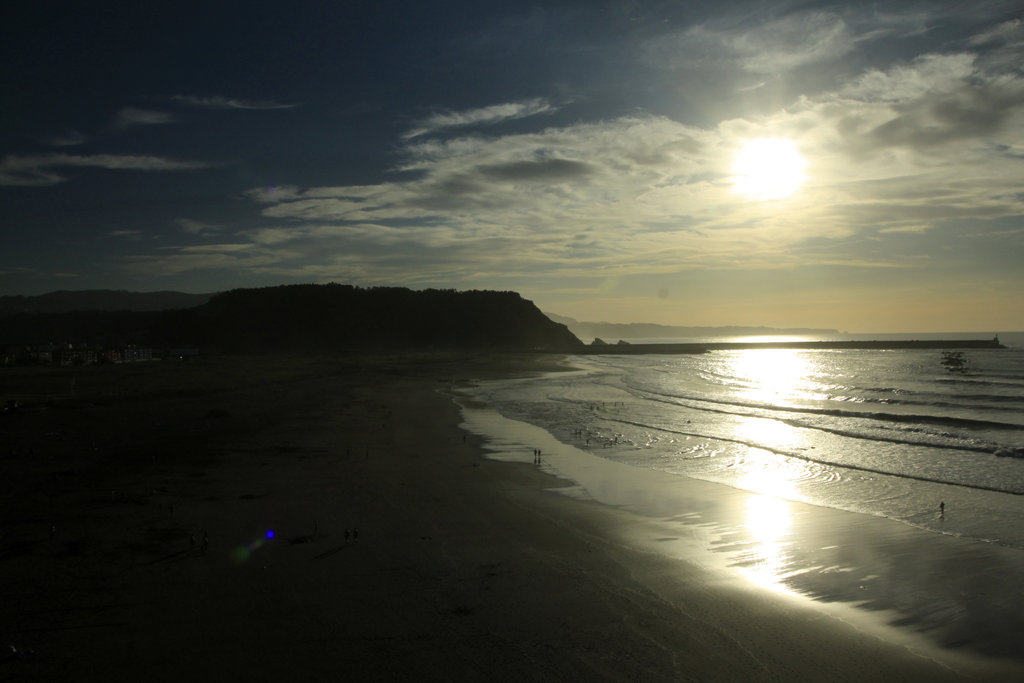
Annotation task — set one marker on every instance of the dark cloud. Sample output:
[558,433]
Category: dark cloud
[221,102]
[483,116]
[538,171]
[69,139]
[971,111]
[133,116]
[38,170]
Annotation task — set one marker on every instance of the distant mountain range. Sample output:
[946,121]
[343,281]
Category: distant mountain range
[285,318]
[611,332]
[99,300]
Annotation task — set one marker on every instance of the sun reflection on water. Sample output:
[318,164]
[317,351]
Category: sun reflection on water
[771,434]
[771,374]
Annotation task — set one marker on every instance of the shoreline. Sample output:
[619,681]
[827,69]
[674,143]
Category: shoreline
[465,567]
[902,583]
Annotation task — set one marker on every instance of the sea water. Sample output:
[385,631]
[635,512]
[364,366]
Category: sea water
[887,433]
[826,468]
[884,436]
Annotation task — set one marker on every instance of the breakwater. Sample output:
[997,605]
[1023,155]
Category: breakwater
[625,349]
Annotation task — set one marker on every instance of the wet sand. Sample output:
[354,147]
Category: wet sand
[465,567]
[954,599]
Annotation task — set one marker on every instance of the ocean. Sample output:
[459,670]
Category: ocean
[933,443]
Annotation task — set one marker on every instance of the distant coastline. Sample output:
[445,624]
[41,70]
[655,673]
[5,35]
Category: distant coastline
[674,348]
[590,330]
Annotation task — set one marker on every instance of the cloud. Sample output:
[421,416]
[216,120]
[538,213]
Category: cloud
[70,138]
[793,41]
[901,83]
[932,101]
[271,236]
[1007,32]
[221,102]
[272,193]
[39,170]
[780,43]
[490,115]
[133,116]
[314,209]
[970,112]
[565,198]
[193,227]
[181,259]
[20,271]
[892,155]
[903,162]
[768,48]
[538,171]
[133,235]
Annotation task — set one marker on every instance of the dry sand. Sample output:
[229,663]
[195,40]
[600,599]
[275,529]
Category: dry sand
[465,568]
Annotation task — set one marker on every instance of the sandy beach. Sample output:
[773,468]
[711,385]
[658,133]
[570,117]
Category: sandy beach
[198,521]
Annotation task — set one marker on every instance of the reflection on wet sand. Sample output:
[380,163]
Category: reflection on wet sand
[960,596]
[768,522]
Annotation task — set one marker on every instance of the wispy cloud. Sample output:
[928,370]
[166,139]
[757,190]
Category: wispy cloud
[1007,32]
[69,138]
[20,271]
[779,44]
[273,193]
[194,227]
[222,102]
[767,48]
[229,256]
[490,115]
[40,170]
[133,235]
[133,116]
[793,41]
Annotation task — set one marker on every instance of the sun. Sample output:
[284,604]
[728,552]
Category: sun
[768,168]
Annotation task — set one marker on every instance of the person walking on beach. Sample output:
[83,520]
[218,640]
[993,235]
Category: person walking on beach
[942,509]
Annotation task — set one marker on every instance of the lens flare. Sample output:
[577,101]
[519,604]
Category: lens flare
[242,553]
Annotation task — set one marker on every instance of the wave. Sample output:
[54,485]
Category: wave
[914,418]
[1012,404]
[825,462]
[988,449]
[973,381]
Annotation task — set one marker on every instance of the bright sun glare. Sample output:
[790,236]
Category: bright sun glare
[768,168]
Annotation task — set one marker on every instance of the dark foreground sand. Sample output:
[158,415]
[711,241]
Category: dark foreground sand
[465,568]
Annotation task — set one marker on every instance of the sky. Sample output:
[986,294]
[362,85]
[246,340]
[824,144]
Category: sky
[852,166]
